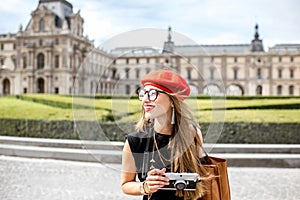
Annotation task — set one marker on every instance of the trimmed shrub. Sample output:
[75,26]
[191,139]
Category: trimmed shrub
[242,133]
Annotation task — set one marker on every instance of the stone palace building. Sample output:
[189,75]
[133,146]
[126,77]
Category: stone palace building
[51,55]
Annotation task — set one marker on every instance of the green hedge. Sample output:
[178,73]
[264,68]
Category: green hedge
[70,105]
[242,133]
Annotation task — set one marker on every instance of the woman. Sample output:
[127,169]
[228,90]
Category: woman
[167,140]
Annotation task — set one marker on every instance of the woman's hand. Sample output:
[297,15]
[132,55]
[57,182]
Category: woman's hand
[155,180]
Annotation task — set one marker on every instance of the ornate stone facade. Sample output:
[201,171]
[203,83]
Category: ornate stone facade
[47,55]
[242,69]
[51,55]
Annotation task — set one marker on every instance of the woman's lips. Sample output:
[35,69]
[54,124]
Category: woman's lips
[148,108]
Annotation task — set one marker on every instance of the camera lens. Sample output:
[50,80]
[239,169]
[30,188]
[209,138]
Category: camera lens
[180,185]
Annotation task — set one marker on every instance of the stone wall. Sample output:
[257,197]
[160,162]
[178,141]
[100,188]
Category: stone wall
[256,133]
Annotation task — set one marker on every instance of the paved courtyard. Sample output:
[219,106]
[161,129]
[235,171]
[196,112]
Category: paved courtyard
[45,179]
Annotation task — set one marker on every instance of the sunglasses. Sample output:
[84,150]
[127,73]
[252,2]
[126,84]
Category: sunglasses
[151,94]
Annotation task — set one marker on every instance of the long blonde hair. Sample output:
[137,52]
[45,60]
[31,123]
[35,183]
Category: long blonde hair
[185,146]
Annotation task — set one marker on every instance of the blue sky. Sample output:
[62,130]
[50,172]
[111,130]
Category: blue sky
[203,21]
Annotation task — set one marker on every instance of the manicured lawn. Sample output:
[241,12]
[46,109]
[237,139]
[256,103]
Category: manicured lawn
[17,109]
[60,107]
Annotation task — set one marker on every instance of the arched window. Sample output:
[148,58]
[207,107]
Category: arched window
[6,87]
[212,90]
[234,90]
[40,61]
[42,25]
[259,90]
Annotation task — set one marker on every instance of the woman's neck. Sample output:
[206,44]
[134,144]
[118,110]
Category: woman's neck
[163,128]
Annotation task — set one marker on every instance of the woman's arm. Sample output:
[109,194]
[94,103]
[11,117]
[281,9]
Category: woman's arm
[129,184]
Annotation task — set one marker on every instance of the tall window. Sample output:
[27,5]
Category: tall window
[41,25]
[56,61]
[40,61]
[235,74]
[291,90]
[41,85]
[291,73]
[6,87]
[189,73]
[114,73]
[57,22]
[24,62]
[212,72]
[127,89]
[137,73]
[127,73]
[279,89]
[279,73]
[14,61]
[259,73]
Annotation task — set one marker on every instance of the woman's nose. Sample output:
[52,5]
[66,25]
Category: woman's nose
[145,99]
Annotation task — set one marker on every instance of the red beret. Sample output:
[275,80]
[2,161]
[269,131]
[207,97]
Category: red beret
[168,81]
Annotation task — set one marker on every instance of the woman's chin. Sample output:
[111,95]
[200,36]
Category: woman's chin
[148,116]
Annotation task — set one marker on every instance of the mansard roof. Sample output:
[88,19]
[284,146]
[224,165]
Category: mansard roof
[61,8]
[135,51]
[61,1]
[285,48]
[212,49]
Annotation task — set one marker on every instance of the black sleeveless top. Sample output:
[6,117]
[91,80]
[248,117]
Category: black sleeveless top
[143,150]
